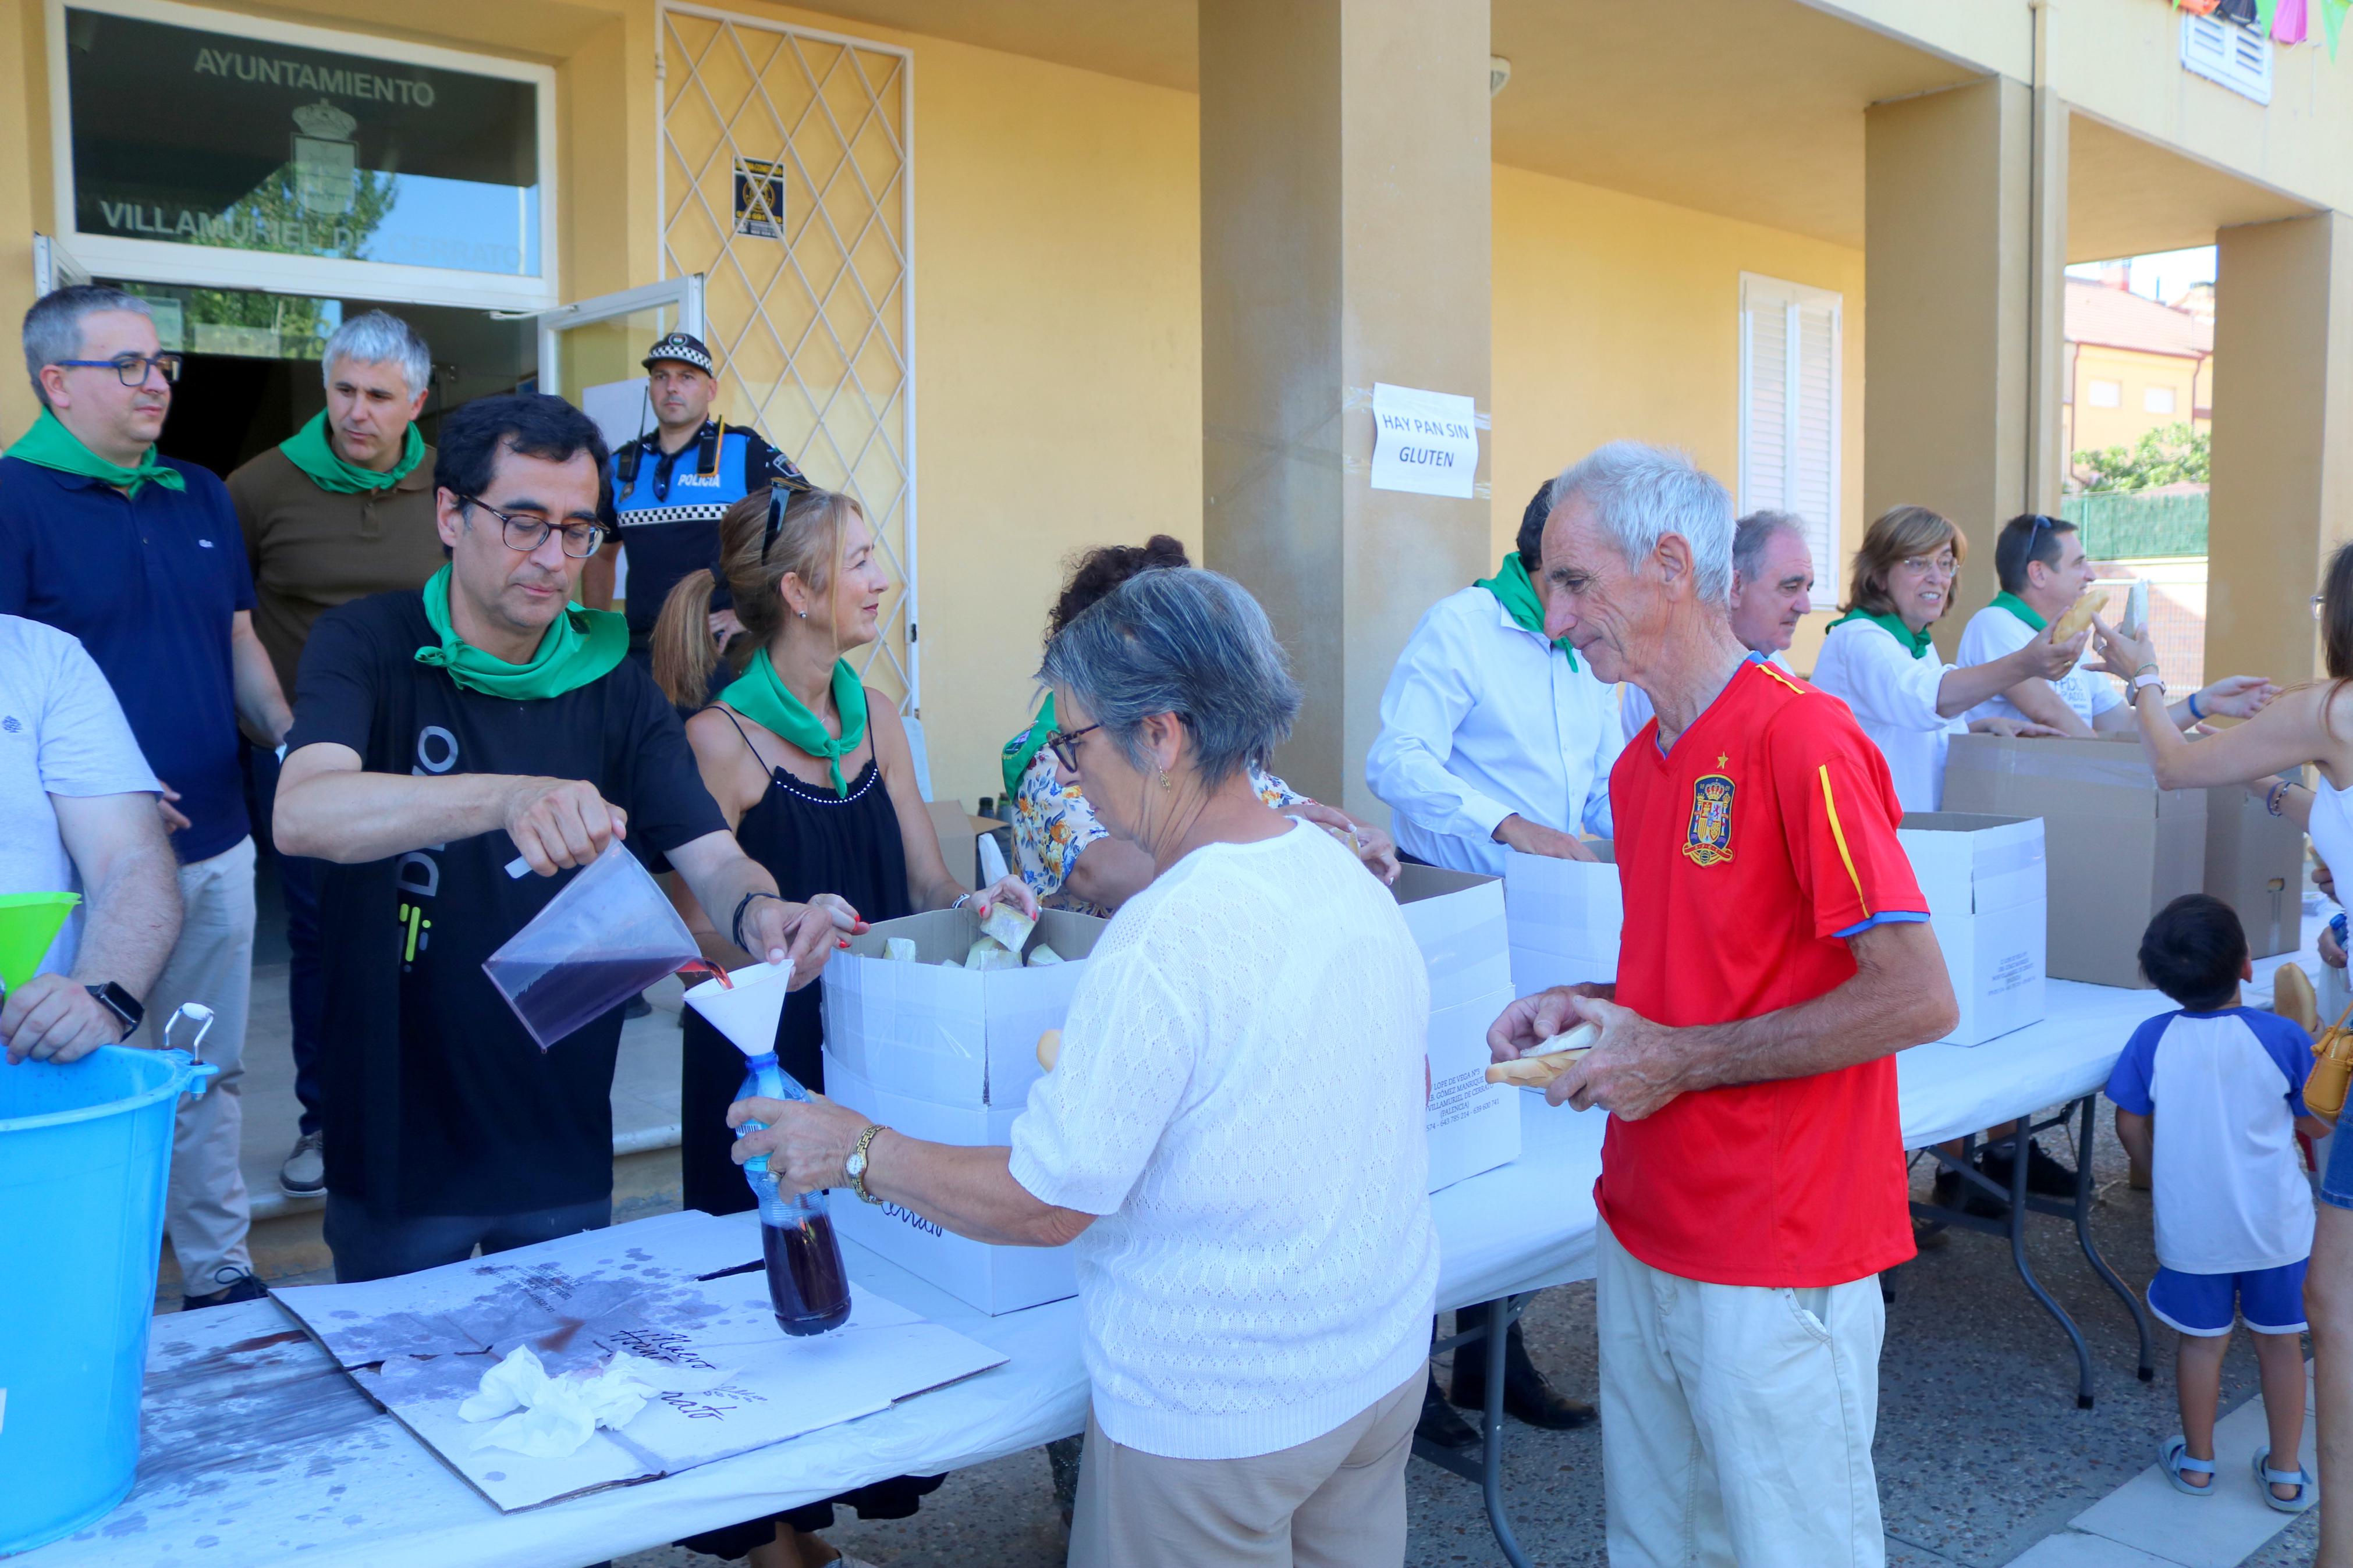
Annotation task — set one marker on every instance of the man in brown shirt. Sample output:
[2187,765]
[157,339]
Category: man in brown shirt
[341,508]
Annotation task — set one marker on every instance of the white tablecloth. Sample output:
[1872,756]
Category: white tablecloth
[258,1453]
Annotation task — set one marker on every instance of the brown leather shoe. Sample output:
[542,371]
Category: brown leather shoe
[1527,1393]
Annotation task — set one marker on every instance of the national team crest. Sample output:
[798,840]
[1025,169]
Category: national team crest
[1708,839]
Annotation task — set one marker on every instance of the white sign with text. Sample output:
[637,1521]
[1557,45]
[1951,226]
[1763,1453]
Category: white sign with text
[1426,442]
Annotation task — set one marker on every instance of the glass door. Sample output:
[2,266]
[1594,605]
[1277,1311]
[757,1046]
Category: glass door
[592,343]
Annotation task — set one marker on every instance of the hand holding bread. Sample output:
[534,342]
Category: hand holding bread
[1539,1071]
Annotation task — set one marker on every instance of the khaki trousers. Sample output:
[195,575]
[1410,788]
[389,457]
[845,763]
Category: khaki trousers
[205,1210]
[1334,1501]
[1736,1420]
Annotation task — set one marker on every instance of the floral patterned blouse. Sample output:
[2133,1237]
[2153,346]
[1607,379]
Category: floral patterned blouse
[1052,823]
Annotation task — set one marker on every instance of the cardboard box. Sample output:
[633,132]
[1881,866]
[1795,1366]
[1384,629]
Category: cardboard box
[1564,917]
[1473,1125]
[1987,903]
[2254,863]
[1457,921]
[951,1037]
[996,1279]
[2116,847]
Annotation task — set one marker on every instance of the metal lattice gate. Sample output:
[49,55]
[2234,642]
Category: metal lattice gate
[784,179]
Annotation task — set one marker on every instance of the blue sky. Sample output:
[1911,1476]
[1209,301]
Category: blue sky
[2163,275]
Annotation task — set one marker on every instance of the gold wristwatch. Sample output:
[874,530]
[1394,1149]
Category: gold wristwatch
[855,1166]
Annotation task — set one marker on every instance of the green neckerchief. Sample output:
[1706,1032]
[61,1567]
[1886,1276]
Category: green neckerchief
[761,696]
[579,647]
[1517,594]
[2005,600]
[310,450]
[1023,749]
[1919,642]
[52,445]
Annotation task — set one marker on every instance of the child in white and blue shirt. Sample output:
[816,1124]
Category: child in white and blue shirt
[2212,1096]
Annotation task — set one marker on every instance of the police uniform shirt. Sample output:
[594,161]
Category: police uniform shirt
[669,505]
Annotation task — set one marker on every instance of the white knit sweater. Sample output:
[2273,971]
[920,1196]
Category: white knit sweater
[1240,1096]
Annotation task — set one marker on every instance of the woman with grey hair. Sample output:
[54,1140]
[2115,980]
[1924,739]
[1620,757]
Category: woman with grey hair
[1231,1138]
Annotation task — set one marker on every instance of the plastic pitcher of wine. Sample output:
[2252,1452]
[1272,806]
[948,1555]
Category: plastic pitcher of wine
[607,935]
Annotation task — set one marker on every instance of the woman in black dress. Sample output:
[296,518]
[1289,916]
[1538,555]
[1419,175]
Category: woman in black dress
[814,775]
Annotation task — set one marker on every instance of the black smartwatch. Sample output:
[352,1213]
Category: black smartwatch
[122,1004]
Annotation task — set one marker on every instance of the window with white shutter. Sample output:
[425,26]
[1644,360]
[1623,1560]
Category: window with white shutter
[1789,406]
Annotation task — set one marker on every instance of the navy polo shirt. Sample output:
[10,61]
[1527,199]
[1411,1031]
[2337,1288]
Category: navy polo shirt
[151,586]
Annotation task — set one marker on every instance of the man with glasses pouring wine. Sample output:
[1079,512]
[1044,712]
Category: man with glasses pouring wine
[438,733]
[138,557]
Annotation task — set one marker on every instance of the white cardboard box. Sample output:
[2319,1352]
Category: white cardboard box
[1565,918]
[996,1279]
[951,1037]
[1984,880]
[1457,921]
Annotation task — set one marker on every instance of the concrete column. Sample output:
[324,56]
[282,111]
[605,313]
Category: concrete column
[2282,494]
[1344,240]
[1961,365]
[24,132]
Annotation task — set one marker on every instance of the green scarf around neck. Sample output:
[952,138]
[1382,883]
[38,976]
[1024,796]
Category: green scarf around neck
[49,444]
[1023,749]
[762,696]
[580,646]
[311,451]
[2005,600]
[1517,593]
[1918,642]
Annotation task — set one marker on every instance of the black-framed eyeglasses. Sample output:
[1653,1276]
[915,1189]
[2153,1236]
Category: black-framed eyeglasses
[1064,744]
[524,533]
[131,369]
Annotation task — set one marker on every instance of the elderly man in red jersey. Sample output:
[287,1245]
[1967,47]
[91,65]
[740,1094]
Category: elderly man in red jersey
[1775,958]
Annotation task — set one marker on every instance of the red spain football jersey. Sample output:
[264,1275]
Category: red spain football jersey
[1768,829]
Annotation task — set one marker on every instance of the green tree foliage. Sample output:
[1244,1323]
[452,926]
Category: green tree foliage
[2167,455]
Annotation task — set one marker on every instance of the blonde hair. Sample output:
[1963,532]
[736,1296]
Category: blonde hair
[1894,534]
[808,545]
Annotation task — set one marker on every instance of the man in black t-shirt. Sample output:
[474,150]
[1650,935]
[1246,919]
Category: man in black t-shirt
[436,733]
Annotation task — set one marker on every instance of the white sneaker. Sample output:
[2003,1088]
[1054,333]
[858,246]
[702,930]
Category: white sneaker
[304,1174]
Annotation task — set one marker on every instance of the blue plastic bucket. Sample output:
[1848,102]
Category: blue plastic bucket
[85,1153]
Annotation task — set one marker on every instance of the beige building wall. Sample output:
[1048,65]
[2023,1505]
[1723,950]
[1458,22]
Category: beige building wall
[2134,375]
[1617,317]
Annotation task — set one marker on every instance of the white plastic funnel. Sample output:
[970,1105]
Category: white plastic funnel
[746,1013]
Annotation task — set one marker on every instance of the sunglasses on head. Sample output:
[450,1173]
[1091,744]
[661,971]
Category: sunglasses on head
[780,494]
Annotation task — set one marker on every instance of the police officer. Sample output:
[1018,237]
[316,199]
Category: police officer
[671,485]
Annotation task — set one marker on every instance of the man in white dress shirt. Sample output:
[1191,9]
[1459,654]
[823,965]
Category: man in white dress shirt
[1772,589]
[1495,737]
[2042,569]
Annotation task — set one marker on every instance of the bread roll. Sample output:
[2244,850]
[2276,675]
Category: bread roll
[1009,926]
[1050,1048]
[2293,997]
[2078,616]
[1539,1071]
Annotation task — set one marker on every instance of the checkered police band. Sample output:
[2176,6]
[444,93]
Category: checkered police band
[684,347]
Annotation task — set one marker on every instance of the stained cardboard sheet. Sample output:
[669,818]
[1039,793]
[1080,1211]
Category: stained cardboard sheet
[418,1344]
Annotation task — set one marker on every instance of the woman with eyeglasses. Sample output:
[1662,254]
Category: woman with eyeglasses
[1879,659]
[1061,849]
[1231,1140]
[2308,725]
[813,773]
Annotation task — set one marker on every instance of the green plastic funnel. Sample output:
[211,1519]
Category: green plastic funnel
[28,923]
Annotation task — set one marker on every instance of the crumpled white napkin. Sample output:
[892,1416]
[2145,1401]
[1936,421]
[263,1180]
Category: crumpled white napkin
[548,1417]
